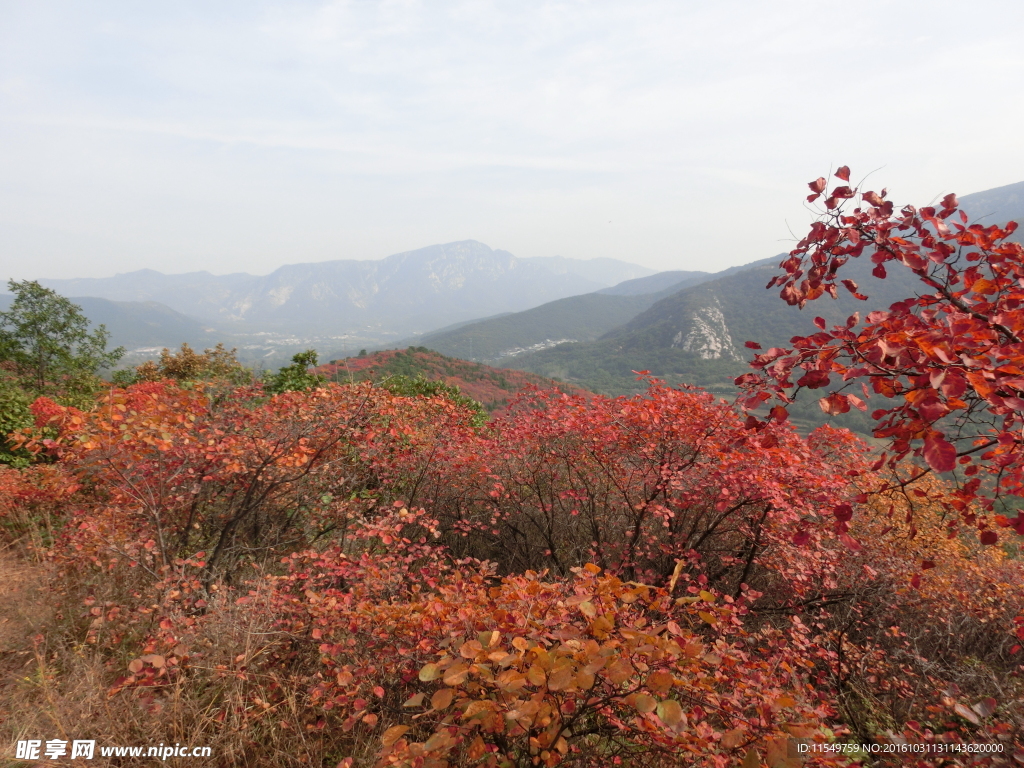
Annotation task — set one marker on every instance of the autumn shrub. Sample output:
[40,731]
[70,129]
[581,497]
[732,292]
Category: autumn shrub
[924,627]
[941,367]
[31,506]
[398,655]
[370,576]
[187,366]
[169,471]
[641,485]
[126,688]
[352,575]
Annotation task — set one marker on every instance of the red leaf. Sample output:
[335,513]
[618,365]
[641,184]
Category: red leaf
[989,537]
[834,403]
[751,345]
[843,173]
[967,714]
[850,542]
[818,185]
[939,452]
[843,512]
[985,707]
[814,380]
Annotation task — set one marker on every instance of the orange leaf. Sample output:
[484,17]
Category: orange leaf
[442,698]
[660,681]
[644,703]
[669,712]
[430,672]
[967,713]
[620,671]
[561,678]
[393,734]
[457,674]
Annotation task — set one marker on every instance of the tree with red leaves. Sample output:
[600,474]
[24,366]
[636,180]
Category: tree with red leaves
[950,360]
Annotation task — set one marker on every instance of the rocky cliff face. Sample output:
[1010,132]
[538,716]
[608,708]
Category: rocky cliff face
[405,293]
[712,320]
[709,336]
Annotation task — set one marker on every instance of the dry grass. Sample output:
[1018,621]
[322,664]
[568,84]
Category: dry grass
[24,609]
[249,712]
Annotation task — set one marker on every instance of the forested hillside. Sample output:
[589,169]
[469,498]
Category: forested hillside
[134,324]
[491,387]
[577,318]
[350,565]
[697,334]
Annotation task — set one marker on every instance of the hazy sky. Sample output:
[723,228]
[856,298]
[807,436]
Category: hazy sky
[239,136]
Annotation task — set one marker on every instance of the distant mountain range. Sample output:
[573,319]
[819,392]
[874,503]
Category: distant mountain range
[696,335]
[576,318]
[657,283]
[998,206]
[405,293]
[591,322]
[687,327]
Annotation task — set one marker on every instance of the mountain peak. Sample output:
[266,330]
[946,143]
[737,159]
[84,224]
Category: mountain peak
[405,293]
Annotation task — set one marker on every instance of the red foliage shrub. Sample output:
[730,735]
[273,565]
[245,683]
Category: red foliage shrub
[946,362]
[580,582]
[646,487]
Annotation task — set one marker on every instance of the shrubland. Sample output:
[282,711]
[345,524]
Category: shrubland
[299,572]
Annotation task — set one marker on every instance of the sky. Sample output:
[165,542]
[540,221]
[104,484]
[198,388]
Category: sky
[240,136]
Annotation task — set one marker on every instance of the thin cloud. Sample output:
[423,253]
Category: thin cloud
[241,136]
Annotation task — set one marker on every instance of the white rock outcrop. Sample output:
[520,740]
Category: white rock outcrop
[709,336]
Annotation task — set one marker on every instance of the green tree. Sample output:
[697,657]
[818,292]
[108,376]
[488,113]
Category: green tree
[46,343]
[14,415]
[295,376]
[420,386]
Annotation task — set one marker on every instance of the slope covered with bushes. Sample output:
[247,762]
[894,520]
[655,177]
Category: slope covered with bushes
[492,387]
[348,575]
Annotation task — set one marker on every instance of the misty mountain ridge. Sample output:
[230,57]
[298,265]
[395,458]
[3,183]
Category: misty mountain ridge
[409,292]
[589,317]
[552,315]
[697,333]
[575,318]
[997,206]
